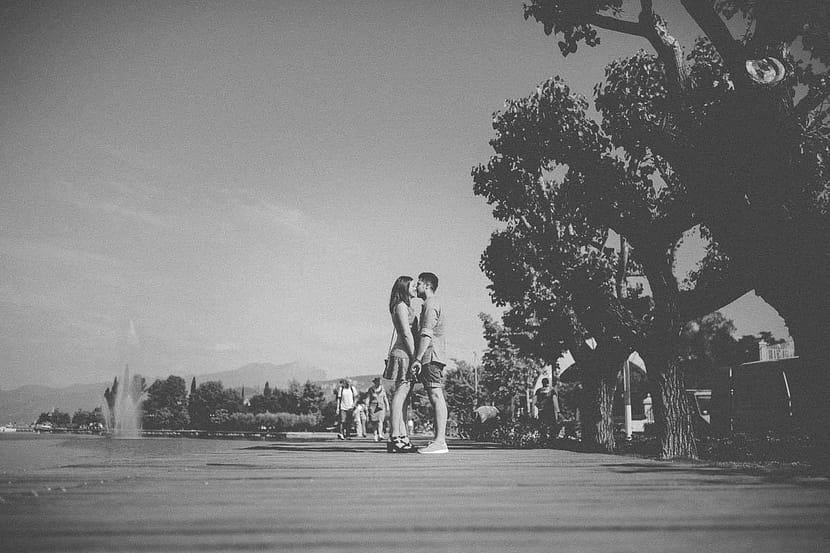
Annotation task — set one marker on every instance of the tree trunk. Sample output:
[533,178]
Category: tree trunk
[600,367]
[810,385]
[597,416]
[672,413]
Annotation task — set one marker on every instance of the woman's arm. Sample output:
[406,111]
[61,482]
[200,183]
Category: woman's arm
[402,327]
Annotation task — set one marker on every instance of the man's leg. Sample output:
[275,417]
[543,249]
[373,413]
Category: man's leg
[341,424]
[439,405]
[433,380]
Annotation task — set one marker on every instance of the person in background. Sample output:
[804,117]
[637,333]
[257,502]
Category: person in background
[399,361]
[359,416]
[345,398]
[543,402]
[377,408]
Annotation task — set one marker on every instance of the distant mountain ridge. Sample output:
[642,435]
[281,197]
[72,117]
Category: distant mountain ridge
[254,375]
[23,405]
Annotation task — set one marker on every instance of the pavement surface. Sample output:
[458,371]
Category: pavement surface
[353,496]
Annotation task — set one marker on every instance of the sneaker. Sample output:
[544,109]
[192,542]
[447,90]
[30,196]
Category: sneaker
[340,436]
[434,448]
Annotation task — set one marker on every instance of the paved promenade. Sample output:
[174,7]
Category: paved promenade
[352,496]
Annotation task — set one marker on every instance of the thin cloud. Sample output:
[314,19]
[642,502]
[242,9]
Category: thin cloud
[273,214]
[141,216]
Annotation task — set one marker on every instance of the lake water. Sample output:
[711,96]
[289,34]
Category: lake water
[26,451]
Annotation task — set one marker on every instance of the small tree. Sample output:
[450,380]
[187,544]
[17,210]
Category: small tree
[166,404]
[508,372]
[211,404]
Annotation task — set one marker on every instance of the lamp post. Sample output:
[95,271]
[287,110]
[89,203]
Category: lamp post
[627,398]
[475,372]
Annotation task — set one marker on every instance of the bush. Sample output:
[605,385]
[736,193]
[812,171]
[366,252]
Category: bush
[273,422]
[770,447]
[522,433]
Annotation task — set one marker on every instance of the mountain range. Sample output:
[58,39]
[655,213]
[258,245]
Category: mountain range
[23,405]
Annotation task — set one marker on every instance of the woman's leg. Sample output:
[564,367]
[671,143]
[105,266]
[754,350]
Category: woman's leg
[398,404]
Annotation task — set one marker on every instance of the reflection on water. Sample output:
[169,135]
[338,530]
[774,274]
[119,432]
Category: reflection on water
[25,451]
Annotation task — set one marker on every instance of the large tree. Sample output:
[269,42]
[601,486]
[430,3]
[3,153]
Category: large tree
[742,122]
[561,183]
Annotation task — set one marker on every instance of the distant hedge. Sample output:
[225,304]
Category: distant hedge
[273,422]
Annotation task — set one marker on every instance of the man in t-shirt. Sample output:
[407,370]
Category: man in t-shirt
[346,398]
[430,358]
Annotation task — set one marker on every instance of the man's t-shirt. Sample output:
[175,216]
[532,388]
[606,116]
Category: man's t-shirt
[432,325]
[347,398]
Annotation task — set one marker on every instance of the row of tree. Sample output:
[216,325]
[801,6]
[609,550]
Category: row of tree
[167,404]
[81,419]
[731,140]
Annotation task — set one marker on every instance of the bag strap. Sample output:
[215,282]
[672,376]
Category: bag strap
[391,341]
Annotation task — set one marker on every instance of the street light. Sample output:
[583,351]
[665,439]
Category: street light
[475,371]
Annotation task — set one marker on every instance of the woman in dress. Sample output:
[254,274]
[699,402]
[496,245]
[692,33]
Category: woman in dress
[400,359]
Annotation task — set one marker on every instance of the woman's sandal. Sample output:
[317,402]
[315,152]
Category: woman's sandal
[400,444]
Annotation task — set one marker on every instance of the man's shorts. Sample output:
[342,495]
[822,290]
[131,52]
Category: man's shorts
[346,416]
[432,375]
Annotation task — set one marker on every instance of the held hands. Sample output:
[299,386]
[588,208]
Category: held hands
[415,370]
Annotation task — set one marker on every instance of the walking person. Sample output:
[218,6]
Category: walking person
[378,406]
[399,361]
[346,399]
[359,415]
[430,359]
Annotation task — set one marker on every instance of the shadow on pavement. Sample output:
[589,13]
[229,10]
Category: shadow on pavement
[362,447]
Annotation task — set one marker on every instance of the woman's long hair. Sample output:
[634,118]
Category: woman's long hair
[400,292]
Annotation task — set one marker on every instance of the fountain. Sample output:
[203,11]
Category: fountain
[124,406]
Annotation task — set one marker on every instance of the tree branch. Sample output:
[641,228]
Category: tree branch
[709,21]
[668,49]
[699,302]
[814,98]
[617,25]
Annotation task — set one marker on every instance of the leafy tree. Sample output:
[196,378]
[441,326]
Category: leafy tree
[298,399]
[267,390]
[261,403]
[88,418]
[311,399]
[561,185]
[460,392]
[166,404]
[706,344]
[743,123]
[288,401]
[507,372]
[211,404]
[57,417]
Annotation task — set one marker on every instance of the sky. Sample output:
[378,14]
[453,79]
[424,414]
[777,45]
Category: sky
[192,186]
